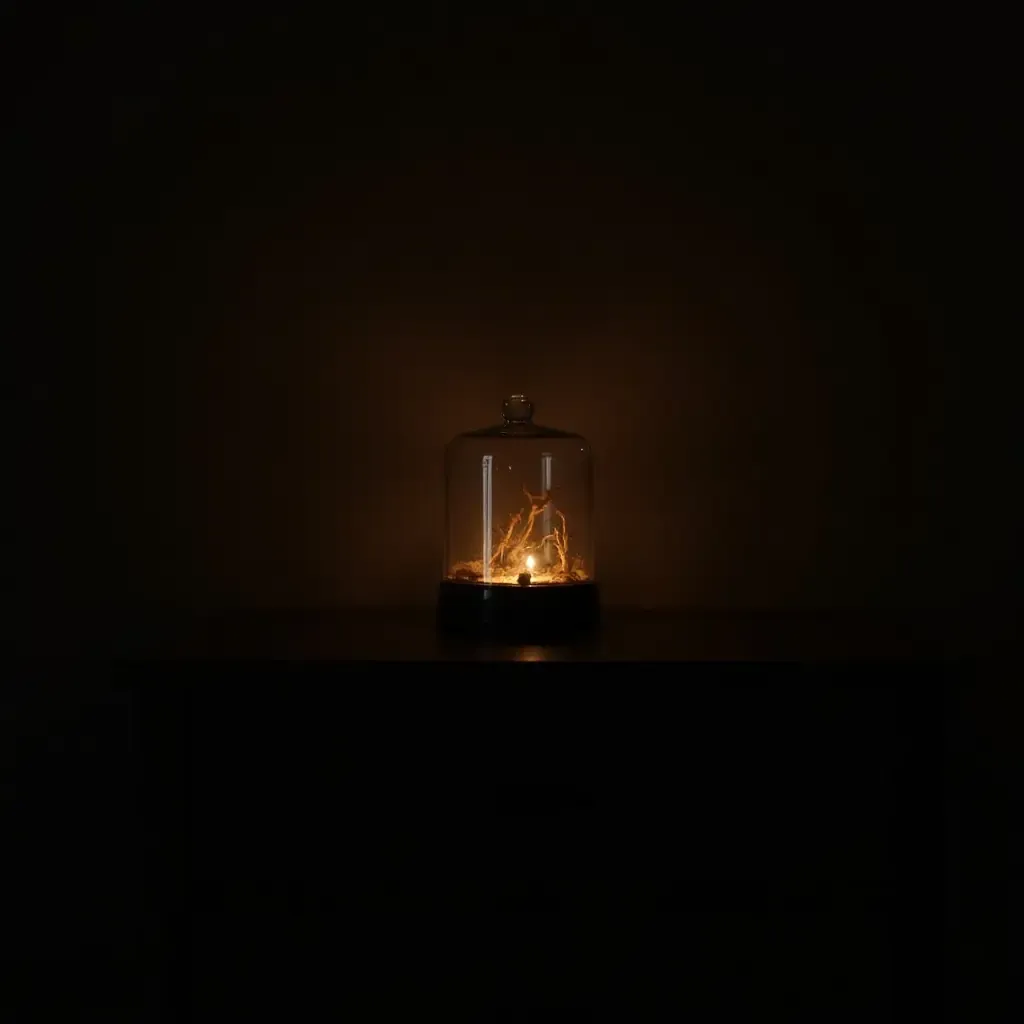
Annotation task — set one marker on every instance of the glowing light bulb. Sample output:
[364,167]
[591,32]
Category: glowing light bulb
[530,562]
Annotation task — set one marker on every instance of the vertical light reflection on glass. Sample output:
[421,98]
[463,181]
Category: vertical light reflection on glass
[545,489]
[487,467]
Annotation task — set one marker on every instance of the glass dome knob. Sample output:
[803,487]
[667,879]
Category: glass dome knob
[518,409]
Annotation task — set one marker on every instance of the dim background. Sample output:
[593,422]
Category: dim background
[276,266]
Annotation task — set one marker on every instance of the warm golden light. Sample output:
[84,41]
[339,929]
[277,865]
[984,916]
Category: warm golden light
[512,547]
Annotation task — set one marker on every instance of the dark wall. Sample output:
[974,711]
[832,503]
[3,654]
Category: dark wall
[313,256]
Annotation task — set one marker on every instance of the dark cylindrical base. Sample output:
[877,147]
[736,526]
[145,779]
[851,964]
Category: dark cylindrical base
[536,614]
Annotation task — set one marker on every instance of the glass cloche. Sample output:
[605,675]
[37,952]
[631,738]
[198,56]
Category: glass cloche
[519,541]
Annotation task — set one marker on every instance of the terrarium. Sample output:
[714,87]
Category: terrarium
[519,542]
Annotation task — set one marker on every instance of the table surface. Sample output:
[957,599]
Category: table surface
[507,799]
[625,635]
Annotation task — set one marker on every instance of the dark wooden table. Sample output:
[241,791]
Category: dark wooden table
[284,809]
